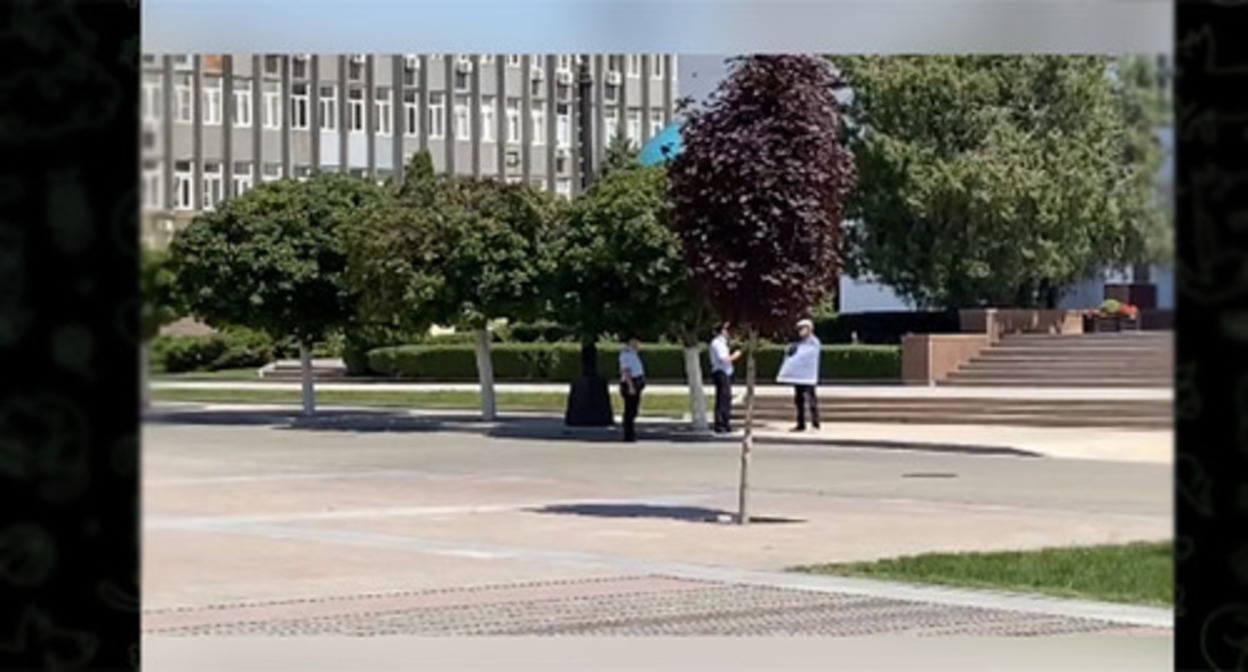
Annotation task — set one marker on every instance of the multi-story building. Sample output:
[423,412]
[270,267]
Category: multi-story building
[214,126]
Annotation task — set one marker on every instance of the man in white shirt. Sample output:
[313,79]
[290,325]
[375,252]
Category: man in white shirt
[721,372]
[632,382]
[801,370]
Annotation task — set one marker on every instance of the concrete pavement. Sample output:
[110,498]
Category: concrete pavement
[261,527]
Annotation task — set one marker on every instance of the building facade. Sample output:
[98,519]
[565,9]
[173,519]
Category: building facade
[214,126]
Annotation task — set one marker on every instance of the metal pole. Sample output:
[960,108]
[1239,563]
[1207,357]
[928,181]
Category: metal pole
[585,128]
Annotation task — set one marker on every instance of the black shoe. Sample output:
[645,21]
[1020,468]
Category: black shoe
[799,428]
[630,439]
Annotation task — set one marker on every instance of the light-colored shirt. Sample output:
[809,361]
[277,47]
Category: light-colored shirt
[630,364]
[720,357]
[801,365]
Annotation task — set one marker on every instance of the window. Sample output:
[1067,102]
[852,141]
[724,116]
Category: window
[463,128]
[489,118]
[152,193]
[611,123]
[329,107]
[299,105]
[302,173]
[461,80]
[634,65]
[563,126]
[355,110]
[513,158]
[149,139]
[272,65]
[182,62]
[383,107]
[538,118]
[272,105]
[656,66]
[183,100]
[411,114]
[563,92]
[487,59]
[243,178]
[149,59]
[212,101]
[355,70]
[435,115]
[151,101]
[634,125]
[513,60]
[242,103]
[183,189]
[564,62]
[299,67]
[212,184]
[656,122]
[614,64]
[563,187]
[272,172]
[561,162]
[537,183]
[513,120]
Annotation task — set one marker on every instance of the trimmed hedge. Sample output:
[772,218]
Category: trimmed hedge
[233,349]
[561,362]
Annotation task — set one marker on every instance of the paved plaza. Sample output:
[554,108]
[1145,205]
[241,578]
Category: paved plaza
[373,523]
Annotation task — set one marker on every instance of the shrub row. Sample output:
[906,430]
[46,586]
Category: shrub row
[561,362]
[233,348]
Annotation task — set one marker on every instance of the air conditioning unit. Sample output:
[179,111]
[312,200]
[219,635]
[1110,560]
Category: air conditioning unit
[564,77]
[463,65]
[411,62]
[303,57]
[537,74]
[561,153]
[614,78]
[361,59]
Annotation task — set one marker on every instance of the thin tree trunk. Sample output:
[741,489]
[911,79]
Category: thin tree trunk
[485,372]
[145,376]
[747,443]
[305,366]
[697,394]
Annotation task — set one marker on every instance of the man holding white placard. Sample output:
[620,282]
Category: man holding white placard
[801,370]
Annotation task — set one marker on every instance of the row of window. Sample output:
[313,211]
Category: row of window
[242,180]
[631,63]
[435,112]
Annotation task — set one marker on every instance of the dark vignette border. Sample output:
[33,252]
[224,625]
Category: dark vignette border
[1211,400]
[69,589]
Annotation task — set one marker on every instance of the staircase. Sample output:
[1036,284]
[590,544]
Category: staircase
[1138,360]
[1123,359]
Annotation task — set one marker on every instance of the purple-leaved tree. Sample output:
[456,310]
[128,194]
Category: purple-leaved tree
[758,194]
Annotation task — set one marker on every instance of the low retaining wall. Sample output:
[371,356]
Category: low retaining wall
[997,322]
[929,358]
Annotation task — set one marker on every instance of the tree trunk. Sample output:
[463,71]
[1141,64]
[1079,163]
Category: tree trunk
[697,394]
[485,372]
[747,443]
[305,366]
[145,376]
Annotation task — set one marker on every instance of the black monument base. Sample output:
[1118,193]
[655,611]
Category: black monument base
[589,403]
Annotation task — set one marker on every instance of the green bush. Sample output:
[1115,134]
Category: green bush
[540,332]
[235,348]
[561,362]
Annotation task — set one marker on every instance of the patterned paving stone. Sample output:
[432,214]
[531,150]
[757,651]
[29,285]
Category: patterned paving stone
[626,606]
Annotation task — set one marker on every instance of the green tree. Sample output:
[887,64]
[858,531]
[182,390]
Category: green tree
[621,153]
[757,193]
[494,246]
[159,306]
[619,271]
[994,180]
[274,260]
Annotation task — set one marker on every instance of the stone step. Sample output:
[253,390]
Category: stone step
[1079,352]
[953,381]
[1092,370]
[1004,419]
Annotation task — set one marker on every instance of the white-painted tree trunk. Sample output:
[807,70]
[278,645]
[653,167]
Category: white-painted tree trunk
[697,394]
[747,443]
[485,373]
[305,366]
[145,376]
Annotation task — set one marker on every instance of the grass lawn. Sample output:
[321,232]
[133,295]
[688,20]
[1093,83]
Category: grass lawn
[225,374]
[658,405]
[1141,573]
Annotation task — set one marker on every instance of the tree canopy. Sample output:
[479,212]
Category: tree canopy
[995,180]
[758,190]
[274,259]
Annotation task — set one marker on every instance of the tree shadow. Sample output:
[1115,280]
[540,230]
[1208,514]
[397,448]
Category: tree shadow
[692,514]
[528,428]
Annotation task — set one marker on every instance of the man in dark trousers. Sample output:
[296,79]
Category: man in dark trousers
[722,359]
[632,382]
[800,369]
